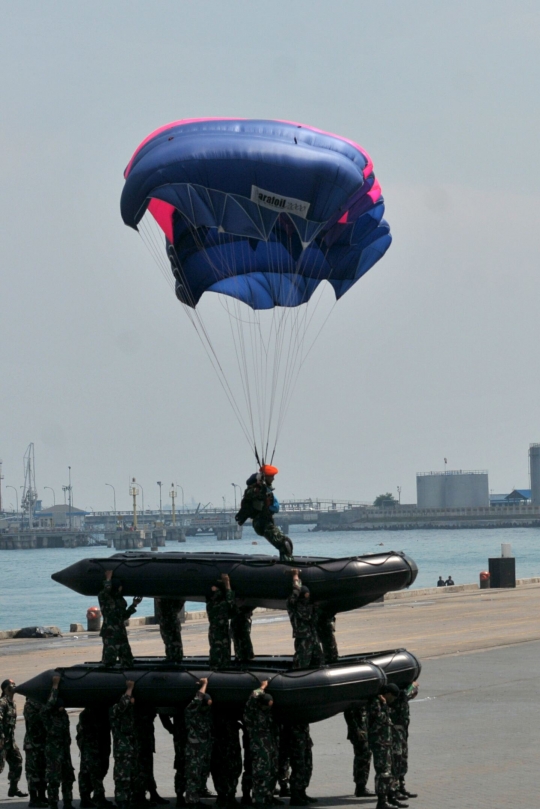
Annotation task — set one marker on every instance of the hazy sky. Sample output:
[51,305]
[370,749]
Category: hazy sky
[433,354]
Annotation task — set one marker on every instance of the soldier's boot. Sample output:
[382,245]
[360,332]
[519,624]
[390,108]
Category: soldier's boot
[86,801]
[205,793]
[381,803]
[284,789]
[35,802]
[363,792]
[180,801]
[15,792]
[156,798]
[403,792]
[246,799]
[42,795]
[67,803]
[276,801]
[393,801]
[298,799]
[309,798]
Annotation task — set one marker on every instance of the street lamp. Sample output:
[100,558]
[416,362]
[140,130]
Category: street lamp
[53,494]
[181,489]
[399,494]
[114,496]
[235,486]
[160,508]
[224,506]
[142,497]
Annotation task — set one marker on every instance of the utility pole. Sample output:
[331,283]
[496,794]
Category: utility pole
[235,487]
[1,479]
[133,490]
[160,506]
[399,494]
[173,498]
[114,496]
[70,497]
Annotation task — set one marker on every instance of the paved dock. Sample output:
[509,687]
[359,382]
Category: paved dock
[475,727]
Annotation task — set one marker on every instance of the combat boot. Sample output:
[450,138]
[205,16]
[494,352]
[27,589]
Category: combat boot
[404,793]
[284,789]
[393,801]
[276,801]
[180,801]
[15,792]
[67,803]
[381,804]
[309,798]
[363,792]
[53,804]
[86,801]
[297,799]
[246,799]
[35,801]
[42,795]
[157,799]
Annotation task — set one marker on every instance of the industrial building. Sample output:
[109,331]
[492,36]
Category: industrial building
[453,489]
[534,471]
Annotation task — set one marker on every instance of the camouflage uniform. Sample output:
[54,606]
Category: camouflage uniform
[284,759]
[169,625]
[220,608]
[326,632]
[380,743]
[226,763]
[198,718]
[146,747]
[357,734]
[302,614]
[263,744]
[122,719]
[35,738]
[301,758]
[60,770]
[400,715]
[94,743]
[113,632]
[256,504]
[176,726]
[241,634]
[9,750]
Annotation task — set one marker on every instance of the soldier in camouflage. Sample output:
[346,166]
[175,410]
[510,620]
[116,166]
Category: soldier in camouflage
[300,746]
[400,716]
[284,762]
[113,632]
[146,747]
[168,614]
[220,608]
[94,743]
[9,750]
[122,719]
[60,772]
[357,734]
[303,614]
[326,632]
[35,737]
[263,743]
[380,743]
[241,634]
[176,726]
[199,729]
[260,504]
[226,762]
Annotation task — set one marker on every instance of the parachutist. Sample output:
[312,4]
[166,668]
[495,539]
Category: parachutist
[260,504]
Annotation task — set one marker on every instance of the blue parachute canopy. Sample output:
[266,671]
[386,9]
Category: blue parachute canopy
[261,211]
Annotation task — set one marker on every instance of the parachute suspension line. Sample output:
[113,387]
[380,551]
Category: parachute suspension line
[198,324]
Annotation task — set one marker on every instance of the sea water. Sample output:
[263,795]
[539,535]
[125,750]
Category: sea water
[28,595]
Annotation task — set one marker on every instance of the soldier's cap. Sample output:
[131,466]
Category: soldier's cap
[268,470]
[60,702]
[116,583]
[206,698]
[304,590]
[5,685]
[389,688]
[266,699]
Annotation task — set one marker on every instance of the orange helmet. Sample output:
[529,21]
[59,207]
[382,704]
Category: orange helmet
[269,471]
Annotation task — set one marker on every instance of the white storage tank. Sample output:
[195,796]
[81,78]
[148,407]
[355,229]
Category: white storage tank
[453,489]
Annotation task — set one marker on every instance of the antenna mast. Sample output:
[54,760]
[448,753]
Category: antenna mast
[29,497]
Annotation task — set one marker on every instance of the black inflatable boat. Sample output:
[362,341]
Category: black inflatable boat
[262,581]
[302,695]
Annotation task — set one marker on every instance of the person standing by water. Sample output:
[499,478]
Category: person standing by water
[303,616]
[9,750]
[60,772]
[115,611]
[168,614]
[220,608]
